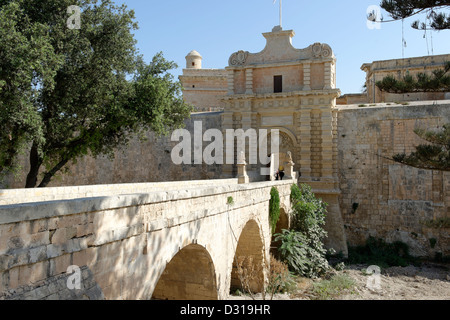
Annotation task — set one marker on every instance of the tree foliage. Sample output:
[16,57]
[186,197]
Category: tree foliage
[439,81]
[401,9]
[433,156]
[26,58]
[73,92]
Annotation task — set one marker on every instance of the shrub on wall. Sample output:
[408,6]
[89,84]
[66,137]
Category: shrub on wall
[302,247]
[274,208]
[295,193]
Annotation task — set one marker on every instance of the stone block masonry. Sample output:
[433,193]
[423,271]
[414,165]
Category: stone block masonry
[54,288]
[378,197]
[129,243]
[139,162]
[384,199]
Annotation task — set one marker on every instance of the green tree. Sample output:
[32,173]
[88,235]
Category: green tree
[26,59]
[73,92]
[401,9]
[433,156]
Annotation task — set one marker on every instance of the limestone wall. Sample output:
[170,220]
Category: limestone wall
[353,98]
[399,68]
[381,198]
[204,87]
[20,196]
[123,242]
[292,78]
[140,162]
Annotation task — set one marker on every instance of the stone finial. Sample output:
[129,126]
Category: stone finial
[242,170]
[241,158]
[277,29]
[289,168]
[289,158]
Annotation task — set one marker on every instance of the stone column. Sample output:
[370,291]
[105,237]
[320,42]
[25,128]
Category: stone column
[327,143]
[246,119]
[305,143]
[249,81]
[230,80]
[328,80]
[273,164]
[246,125]
[306,77]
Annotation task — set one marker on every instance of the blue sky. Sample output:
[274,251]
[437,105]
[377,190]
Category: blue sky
[216,29]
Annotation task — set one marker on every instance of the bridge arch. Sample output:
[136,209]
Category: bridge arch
[282,224]
[190,275]
[249,254]
[284,220]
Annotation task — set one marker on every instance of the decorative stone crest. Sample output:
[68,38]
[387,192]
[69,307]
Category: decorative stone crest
[320,50]
[238,58]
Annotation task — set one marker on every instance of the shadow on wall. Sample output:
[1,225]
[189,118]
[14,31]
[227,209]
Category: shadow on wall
[189,276]
[248,262]
[57,288]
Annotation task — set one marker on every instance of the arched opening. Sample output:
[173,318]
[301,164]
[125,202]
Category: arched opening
[282,224]
[248,263]
[189,276]
[286,144]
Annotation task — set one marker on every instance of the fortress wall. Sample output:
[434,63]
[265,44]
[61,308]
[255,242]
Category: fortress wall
[140,162]
[378,197]
[384,199]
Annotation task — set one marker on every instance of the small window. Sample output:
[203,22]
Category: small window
[277,84]
[193,86]
[193,64]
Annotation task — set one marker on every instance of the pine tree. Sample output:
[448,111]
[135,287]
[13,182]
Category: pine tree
[402,9]
[433,156]
[439,81]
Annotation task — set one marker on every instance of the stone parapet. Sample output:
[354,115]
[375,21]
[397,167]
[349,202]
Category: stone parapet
[15,196]
[123,244]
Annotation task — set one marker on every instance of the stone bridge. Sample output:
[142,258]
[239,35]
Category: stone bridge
[177,240]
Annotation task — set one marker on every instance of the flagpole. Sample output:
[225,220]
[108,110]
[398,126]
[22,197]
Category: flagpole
[281,14]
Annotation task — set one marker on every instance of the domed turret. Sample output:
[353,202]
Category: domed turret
[194,60]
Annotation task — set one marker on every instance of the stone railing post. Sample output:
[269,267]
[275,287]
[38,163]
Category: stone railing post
[242,169]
